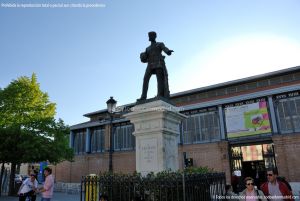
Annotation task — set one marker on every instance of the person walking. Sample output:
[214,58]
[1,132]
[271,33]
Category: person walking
[47,189]
[229,194]
[28,188]
[275,188]
[251,193]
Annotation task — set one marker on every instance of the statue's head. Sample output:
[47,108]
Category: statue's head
[152,35]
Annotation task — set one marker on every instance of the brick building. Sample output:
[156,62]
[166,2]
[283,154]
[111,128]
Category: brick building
[239,127]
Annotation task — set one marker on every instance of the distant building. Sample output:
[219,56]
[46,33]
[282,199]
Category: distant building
[242,126]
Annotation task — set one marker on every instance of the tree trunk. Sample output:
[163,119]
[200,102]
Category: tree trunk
[12,179]
[18,168]
[1,177]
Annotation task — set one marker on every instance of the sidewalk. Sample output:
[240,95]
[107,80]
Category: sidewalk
[56,197]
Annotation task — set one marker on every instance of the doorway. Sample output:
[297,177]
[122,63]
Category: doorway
[256,170]
[251,160]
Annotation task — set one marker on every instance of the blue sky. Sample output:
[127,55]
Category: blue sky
[82,56]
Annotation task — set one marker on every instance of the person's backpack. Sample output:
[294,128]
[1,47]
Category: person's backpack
[257,195]
[282,179]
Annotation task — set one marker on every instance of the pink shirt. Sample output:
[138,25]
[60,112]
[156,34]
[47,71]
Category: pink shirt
[48,186]
[251,196]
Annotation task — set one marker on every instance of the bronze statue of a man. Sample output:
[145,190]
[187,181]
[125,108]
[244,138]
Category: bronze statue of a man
[156,65]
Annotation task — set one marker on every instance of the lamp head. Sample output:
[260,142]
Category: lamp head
[111,105]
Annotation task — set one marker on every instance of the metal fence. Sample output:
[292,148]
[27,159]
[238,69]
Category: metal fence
[166,187]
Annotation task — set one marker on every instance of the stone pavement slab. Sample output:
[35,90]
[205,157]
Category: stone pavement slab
[56,197]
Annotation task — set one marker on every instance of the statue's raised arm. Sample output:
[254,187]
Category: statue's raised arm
[166,50]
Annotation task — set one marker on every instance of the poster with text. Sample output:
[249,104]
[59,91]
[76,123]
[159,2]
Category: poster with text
[248,119]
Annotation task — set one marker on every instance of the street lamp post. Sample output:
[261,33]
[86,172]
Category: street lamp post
[111,106]
[183,176]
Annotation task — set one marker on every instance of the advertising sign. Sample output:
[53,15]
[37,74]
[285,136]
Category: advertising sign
[40,177]
[247,119]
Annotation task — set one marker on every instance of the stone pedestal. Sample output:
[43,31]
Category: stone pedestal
[156,131]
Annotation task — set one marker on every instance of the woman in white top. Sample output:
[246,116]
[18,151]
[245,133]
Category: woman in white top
[28,188]
[251,193]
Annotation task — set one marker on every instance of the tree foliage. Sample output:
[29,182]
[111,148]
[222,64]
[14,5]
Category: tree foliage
[28,130]
[23,104]
[27,125]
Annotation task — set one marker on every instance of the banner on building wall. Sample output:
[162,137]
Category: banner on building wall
[247,119]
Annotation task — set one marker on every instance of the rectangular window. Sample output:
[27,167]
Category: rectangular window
[288,114]
[123,138]
[201,127]
[79,142]
[97,140]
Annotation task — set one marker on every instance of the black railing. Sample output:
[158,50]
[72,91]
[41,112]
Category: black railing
[164,187]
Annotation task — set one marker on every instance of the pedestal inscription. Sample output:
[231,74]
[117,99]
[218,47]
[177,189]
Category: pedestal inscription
[148,154]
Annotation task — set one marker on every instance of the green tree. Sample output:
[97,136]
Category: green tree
[28,129]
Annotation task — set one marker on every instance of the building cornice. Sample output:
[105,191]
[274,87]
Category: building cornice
[243,97]
[217,86]
[236,82]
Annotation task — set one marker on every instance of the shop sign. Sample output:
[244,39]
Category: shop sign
[287,95]
[199,110]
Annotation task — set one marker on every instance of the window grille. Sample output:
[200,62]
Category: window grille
[97,140]
[79,142]
[123,138]
[202,127]
[288,115]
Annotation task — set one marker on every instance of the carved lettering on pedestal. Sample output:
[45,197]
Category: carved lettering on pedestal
[148,154]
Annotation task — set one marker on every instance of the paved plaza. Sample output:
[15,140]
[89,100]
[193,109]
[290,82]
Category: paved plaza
[57,197]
